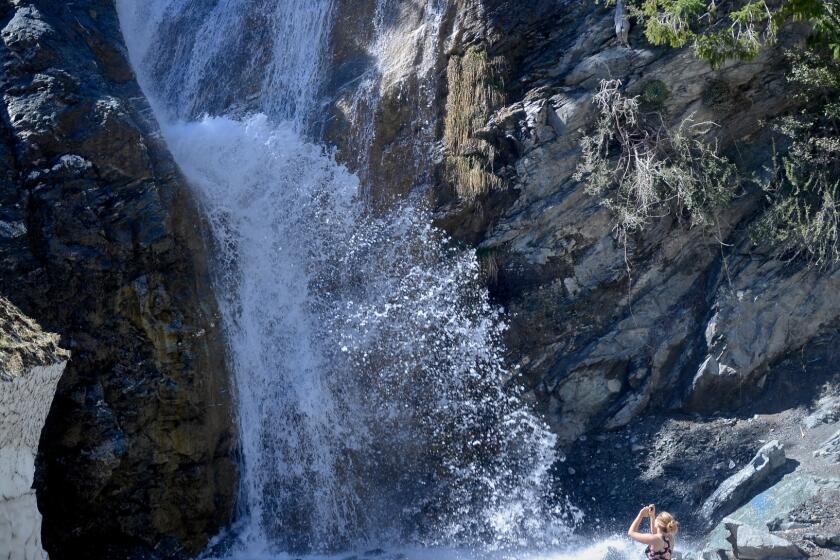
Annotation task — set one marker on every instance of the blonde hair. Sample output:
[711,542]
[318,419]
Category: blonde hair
[666,522]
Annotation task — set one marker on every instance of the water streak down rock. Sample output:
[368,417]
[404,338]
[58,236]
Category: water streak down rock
[30,365]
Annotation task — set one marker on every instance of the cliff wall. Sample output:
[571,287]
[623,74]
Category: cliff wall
[101,242]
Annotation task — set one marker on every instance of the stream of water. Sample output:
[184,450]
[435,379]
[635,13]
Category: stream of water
[373,402]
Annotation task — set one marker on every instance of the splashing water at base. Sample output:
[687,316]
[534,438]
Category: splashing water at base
[610,548]
[373,402]
[372,396]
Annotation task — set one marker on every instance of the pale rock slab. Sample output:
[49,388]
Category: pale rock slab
[736,489]
[751,543]
[31,364]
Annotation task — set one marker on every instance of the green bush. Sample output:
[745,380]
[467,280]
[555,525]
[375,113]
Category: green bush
[803,215]
[733,29]
[655,93]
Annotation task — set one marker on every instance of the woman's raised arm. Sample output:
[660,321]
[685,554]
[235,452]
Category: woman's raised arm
[644,538]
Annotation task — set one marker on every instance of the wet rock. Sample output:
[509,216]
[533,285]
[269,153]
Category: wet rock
[751,543]
[613,553]
[736,489]
[101,242]
[31,364]
[717,554]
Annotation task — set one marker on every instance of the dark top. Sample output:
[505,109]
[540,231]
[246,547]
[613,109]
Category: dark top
[664,554]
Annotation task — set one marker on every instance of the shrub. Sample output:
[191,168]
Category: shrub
[733,29]
[803,215]
[655,93]
[644,171]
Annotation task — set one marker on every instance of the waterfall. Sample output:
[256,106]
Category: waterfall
[191,56]
[373,402]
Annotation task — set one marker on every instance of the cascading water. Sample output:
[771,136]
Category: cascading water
[373,402]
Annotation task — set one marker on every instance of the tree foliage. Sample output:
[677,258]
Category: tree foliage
[734,29]
[803,214]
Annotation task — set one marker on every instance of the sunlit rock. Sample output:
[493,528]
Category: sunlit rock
[31,364]
[737,488]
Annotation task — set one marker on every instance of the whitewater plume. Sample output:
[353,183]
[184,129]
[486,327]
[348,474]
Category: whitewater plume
[373,401]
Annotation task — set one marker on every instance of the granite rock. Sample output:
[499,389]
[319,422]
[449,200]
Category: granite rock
[738,488]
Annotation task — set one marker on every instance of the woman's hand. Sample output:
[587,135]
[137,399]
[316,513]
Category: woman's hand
[644,538]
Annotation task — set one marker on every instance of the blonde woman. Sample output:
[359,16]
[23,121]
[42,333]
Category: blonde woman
[660,540]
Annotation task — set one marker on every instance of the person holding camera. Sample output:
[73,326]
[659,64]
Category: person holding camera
[663,529]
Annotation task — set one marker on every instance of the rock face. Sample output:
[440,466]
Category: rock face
[683,319]
[486,102]
[31,364]
[100,242]
[738,488]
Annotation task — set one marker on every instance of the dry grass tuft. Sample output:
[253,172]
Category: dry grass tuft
[476,90]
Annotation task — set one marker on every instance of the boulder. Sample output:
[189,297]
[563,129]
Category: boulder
[773,507]
[826,411]
[751,543]
[830,448]
[31,364]
[739,487]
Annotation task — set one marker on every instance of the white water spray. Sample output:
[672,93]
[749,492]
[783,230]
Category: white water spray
[373,402]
